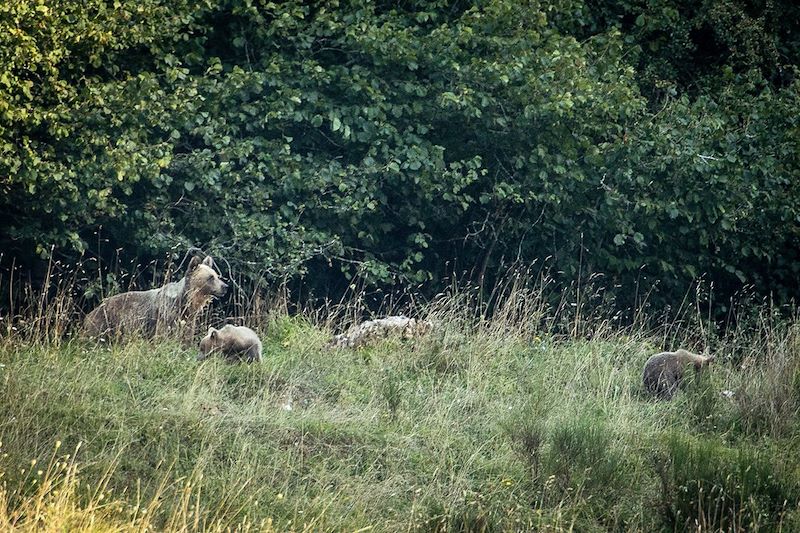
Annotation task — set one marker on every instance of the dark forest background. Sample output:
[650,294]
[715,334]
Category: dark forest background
[652,143]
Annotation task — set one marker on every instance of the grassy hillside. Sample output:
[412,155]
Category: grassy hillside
[478,427]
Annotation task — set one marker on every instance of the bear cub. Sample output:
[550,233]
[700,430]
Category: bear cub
[663,372]
[235,343]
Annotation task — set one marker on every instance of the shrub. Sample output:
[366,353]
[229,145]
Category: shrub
[582,456]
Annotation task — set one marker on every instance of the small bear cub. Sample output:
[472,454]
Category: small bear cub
[663,372]
[235,343]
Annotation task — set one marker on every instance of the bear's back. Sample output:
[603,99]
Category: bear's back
[662,374]
[237,340]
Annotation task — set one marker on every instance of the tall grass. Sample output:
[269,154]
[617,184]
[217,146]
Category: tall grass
[522,410]
[56,498]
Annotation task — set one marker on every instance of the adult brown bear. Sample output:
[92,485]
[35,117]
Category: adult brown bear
[158,310]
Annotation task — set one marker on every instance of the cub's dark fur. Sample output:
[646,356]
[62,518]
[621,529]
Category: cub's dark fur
[663,372]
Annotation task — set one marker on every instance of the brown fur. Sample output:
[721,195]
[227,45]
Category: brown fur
[664,372]
[156,310]
[233,342]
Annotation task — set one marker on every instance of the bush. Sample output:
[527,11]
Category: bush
[583,459]
[330,142]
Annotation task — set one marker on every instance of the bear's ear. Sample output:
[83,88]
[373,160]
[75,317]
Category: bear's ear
[210,330]
[213,333]
[208,261]
[195,261]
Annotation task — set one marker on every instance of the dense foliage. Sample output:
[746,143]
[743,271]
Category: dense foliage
[406,140]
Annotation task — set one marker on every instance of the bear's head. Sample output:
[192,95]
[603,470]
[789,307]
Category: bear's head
[202,279]
[698,361]
[210,343]
[703,361]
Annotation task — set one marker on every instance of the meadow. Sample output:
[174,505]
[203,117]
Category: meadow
[530,420]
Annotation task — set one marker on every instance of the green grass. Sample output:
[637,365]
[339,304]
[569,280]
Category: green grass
[470,429]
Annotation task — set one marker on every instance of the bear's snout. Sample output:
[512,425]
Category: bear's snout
[219,289]
[223,288]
